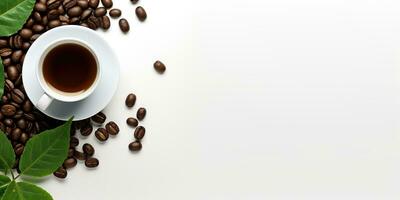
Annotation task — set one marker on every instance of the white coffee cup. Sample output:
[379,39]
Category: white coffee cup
[51,93]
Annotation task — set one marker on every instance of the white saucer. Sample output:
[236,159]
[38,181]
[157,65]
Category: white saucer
[105,90]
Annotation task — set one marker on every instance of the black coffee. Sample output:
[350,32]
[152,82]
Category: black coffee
[70,68]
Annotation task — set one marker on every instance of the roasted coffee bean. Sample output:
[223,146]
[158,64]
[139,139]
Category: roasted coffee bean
[132,122]
[134,1]
[130,100]
[4,99]
[8,110]
[17,96]
[140,131]
[115,13]
[74,142]
[107,3]
[92,162]
[88,149]
[87,130]
[105,22]
[37,28]
[82,123]
[12,73]
[2,127]
[100,12]
[61,173]
[71,152]
[26,33]
[84,25]
[141,114]
[64,18]
[3,43]
[15,42]
[35,37]
[37,17]
[5,52]
[91,24]
[29,23]
[29,117]
[159,67]
[27,106]
[101,134]
[45,21]
[40,7]
[19,149]
[112,128]
[68,4]
[53,14]
[74,20]
[54,23]
[75,11]
[94,3]
[70,163]
[61,10]
[83,4]
[53,4]
[8,122]
[135,146]
[99,118]
[124,25]
[25,46]
[7,62]
[19,113]
[16,56]
[24,138]
[79,155]
[16,134]
[141,13]
[86,13]
[21,124]
[8,85]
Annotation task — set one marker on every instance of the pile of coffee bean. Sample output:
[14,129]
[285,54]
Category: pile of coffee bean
[19,119]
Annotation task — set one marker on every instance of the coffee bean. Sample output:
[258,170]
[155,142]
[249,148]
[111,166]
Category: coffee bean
[7,62]
[107,3]
[15,42]
[27,106]
[112,128]
[140,132]
[92,22]
[40,7]
[71,152]
[29,23]
[8,85]
[5,52]
[35,37]
[83,4]
[99,118]
[53,14]
[24,138]
[26,33]
[54,23]
[159,67]
[29,116]
[100,12]
[8,110]
[79,155]
[45,21]
[17,96]
[132,122]
[134,1]
[63,18]
[124,25]
[101,134]
[68,4]
[8,122]
[94,3]
[75,11]
[37,28]
[135,146]
[53,4]
[74,142]
[86,130]
[26,45]
[21,124]
[61,173]
[141,13]
[37,17]
[70,163]
[19,149]
[106,22]
[88,149]
[86,13]
[16,134]
[12,73]
[130,100]
[115,13]
[16,56]
[74,20]
[92,162]
[141,113]
[3,43]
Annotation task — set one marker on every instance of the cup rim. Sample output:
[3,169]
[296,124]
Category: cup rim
[52,92]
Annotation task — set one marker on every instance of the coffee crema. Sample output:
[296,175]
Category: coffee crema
[70,68]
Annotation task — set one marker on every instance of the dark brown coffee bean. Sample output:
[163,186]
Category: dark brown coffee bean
[16,56]
[45,21]
[15,42]
[100,12]
[124,25]
[107,3]
[26,33]
[86,14]
[26,45]
[141,13]
[29,23]
[21,124]
[105,22]
[159,67]
[101,134]
[53,14]
[8,85]
[5,52]
[74,20]
[83,4]
[64,18]
[79,155]
[3,43]
[9,122]
[7,62]
[17,96]
[74,142]
[140,131]
[75,11]
[29,117]
[12,73]
[130,100]
[19,149]
[134,1]
[24,138]
[94,3]
[16,134]
[71,152]
[70,163]
[115,13]
[37,17]
[112,128]
[54,23]
[37,28]
[68,4]
[35,37]
[99,118]
[27,106]
[135,146]
[132,122]
[141,114]
[88,149]
[92,23]
[61,173]
[87,130]
[92,162]
[53,4]
[40,7]
[8,110]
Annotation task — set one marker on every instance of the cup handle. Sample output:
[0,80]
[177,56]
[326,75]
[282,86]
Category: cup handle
[44,102]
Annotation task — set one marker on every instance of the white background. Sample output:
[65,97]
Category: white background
[262,99]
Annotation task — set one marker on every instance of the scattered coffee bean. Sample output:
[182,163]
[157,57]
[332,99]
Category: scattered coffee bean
[75,11]
[86,14]
[16,56]
[74,142]
[40,7]
[115,13]
[71,152]
[132,122]
[100,12]
[3,43]
[17,96]
[70,163]
[87,130]
[16,134]
[26,33]
[37,28]
[94,3]
[107,3]
[159,67]
[101,134]
[130,100]
[124,25]
[140,132]
[5,52]
[134,1]
[88,149]
[135,146]
[112,128]
[12,73]
[54,23]
[92,162]
[106,22]
[8,110]
[141,114]
[84,4]
[141,13]
[53,4]
[61,173]
[79,155]
[99,118]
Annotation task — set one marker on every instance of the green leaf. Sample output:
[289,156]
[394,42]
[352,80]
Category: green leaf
[13,14]
[46,152]
[25,191]
[4,181]
[1,78]
[7,155]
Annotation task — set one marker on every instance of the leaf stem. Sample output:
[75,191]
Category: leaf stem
[12,174]
[17,176]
